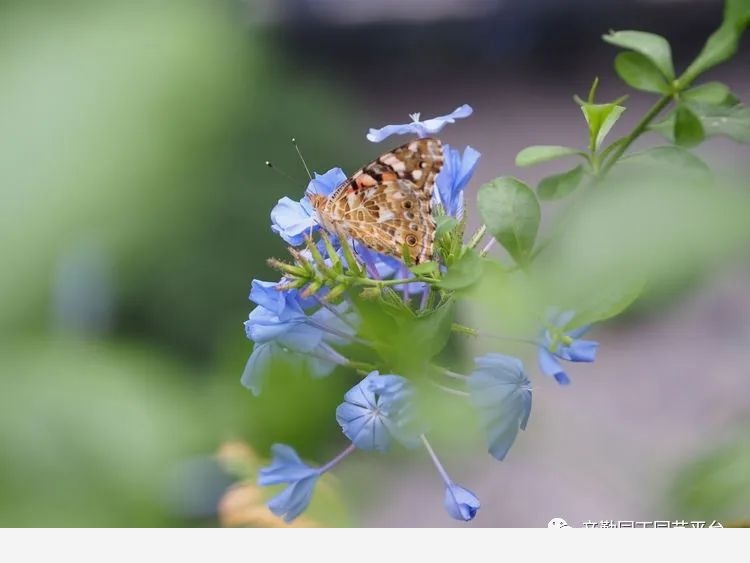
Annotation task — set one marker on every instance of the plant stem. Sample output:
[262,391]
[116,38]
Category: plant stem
[634,134]
[435,460]
[487,248]
[477,236]
[364,366]
[463,329]
[330,465]
[383,283]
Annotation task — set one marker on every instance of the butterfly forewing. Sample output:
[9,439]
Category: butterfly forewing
[388,204]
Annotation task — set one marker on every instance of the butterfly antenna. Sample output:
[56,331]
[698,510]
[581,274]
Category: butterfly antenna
[280,171]
[302,158]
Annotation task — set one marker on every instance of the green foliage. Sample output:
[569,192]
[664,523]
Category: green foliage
[543,153]
[712,93]
[94,434]
[600,119]
[639,71]
[688,129]
[715,120]
[716,486]
[559,185]
[465,272]
[722,44]
[405,340]
[511,212]
[672,163]
[650,46]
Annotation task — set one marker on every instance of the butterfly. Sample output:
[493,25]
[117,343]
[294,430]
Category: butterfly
[387,205]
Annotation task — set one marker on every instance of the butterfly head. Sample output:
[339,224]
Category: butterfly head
[317,200]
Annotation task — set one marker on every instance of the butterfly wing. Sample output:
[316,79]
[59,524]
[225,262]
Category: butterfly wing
[388,204]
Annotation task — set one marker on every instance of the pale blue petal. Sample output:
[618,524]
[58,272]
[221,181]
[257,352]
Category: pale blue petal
[283,304]
[460,502]
[501,394]
[325,184]
[507,367]
[320,367]
[301,338]
[453,178]
[549,365]
[286,467]
[378,135]
[419,128]
[579,351]
[526,410]
[377,410]
[469,161]
[292,220]
[257,366]
[329,319]
[360,395]
[435,125]
[294,500]
[263,326]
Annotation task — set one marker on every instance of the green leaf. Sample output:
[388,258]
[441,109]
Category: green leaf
[425,268]
[542,153]
[645,226]
[733,122]
[722,44]
[511,212]
[672,161]
[560,185]
[609,302]
[640,72]
[405,341]
[688,129]
[445,224]
[714,93]
[652,46]
[600,118]
[464,273]
[738,12]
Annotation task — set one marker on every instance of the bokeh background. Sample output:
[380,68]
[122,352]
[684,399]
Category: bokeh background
[134,212]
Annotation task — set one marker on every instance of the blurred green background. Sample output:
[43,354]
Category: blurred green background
[134,214]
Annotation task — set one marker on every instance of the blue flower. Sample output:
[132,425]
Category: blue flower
[419,128]
[285,304]
[293,220]
[258,365]
[557,344]
[279,324]
[376,410]
[453,178]
[287,467]
[295,333]
[501,393]
[460,502]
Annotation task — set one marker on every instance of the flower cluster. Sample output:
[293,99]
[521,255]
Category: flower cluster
[319,309]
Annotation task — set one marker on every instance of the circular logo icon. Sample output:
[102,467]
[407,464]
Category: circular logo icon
[557,523]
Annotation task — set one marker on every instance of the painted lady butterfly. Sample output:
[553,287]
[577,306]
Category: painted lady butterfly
[387,205]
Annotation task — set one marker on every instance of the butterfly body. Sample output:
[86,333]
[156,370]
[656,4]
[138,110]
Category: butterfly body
[387,205]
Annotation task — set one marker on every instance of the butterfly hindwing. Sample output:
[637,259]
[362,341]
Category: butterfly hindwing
[388,203]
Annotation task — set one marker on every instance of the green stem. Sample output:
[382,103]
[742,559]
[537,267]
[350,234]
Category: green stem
[477,236]
[364,366]
[382,283]
[462,329]
[634,134]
